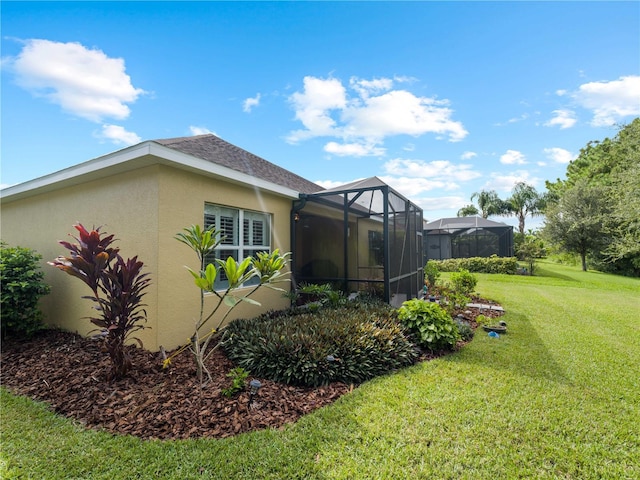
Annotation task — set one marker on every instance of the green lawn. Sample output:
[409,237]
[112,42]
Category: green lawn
[556,397]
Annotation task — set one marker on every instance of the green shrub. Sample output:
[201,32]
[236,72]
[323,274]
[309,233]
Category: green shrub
[451,299]
[465,330]
[492,264]
[432,327]
[431,273]
[349,344]
[22,286]
[464,282]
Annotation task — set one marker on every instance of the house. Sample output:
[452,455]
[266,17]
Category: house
[465,237]
[147,193]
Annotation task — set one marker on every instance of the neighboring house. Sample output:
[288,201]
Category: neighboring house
[147,193]
[465,237]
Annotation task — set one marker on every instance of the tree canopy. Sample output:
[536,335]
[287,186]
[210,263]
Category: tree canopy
[577,221]
[612,168]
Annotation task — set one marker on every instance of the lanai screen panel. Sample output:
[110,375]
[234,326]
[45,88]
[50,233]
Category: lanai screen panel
[467,237]
[362,237]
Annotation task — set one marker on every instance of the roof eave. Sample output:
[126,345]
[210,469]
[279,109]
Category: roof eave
[134,157]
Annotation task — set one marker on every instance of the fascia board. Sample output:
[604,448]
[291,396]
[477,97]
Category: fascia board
[137,156]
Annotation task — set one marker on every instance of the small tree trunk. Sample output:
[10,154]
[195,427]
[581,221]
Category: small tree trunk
[583,257]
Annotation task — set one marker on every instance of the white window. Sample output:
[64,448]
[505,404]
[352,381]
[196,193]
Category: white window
[243,233]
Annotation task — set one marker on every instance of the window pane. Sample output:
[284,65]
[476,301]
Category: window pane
[254,236]
[225,220]
[257,227]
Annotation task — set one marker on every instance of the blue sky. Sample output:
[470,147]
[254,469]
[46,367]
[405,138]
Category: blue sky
[439,99]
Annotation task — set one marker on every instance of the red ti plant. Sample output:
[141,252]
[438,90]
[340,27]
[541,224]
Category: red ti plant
[118,287]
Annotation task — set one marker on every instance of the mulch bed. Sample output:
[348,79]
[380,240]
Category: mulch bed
[69,373]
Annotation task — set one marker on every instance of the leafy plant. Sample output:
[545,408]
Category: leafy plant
[464,282]
[530,248]
[22,286]
[267,267]
[118,286]
[431,326]
[431,273]
[350,344]
[238,376]
[482,320]
[465,330]
[322,294]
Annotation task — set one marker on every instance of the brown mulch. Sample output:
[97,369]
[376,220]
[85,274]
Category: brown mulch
[69,373]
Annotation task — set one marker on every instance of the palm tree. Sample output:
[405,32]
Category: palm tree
[468,211]
[489,203]
[524,200]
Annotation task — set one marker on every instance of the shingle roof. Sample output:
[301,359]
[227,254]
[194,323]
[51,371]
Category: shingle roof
[213,149]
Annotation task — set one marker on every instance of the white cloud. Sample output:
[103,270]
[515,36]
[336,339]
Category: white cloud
[353,149]
[331,183]
[513,157]
[442,170]
[400,112]
[199,130]
[559,155]
[430,204]
[412,187]
[249,103]
[84,82]
[504,183]
[365,88]
[118,135]
[610,101]
[468,155]
[373,111]
[314,105]
[563,119]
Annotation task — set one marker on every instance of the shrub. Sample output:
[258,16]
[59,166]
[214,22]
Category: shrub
[22,286]
[431,273]
[117,285]
[465,330]
[492,264]
[463,282]
[431,326]
[349,344]
[451,299]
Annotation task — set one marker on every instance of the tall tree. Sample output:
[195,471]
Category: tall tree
[524,200]
[577,221]
[488,203]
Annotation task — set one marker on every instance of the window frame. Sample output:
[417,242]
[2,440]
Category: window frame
[238,242]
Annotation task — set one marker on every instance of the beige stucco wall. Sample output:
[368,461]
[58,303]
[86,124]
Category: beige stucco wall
[181,204]
[144,208]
